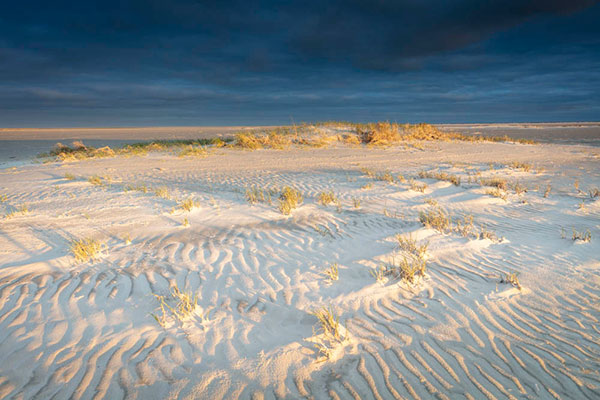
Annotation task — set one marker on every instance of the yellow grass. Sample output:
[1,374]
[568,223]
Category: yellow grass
[86,249]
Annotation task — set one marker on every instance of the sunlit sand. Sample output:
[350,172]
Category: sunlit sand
[323,269]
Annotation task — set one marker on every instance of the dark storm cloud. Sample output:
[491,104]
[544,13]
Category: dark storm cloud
[206,62]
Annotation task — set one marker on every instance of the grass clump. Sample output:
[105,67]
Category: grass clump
[326,198]
[547,191]
[496,192]
[436,218]
[289,199]
[256,195]
[192,150]
[385,177]
[523,166]
[86,249]
[408,269]
[440,176]
[499,183]
[162,192]
[95,180]
[356,202]
[69,177]
[409,244]
[330,328]
[22,209]
[332,272]
[379,133]
[511,278]
[188,204]
[417,186]
[519,188]
[179,305]
[583,236]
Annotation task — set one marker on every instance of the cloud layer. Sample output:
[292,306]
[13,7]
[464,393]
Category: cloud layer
[256,62]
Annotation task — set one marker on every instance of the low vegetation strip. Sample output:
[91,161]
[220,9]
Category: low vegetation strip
[305,135]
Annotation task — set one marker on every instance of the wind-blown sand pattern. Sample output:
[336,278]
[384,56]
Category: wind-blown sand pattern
[72,329]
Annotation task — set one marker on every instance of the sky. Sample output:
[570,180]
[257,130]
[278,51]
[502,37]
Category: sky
[182,63]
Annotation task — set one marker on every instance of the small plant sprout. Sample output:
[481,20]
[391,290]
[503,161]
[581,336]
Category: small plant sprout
[332,272]
[185,222]
[188,204]
[69,177]
[86,249]
[356,202]
[581,205]
[3,198]
[367,186]
[547,192]
[576,184]
[127,239]
[326,198]
[511,278]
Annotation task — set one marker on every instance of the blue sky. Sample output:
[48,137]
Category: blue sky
[270,62]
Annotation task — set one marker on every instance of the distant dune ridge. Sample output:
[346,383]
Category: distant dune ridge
[348,263]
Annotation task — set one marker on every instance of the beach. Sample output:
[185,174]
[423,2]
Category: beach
[204,286]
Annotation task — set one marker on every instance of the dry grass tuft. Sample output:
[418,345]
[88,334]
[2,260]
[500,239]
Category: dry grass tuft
[356,202]
[86,249]
[192,151]
[188,204]
[69,177]
[180,305]
[584,236]
[440,176]
[332,272]
[95,180]
[162,192]
[409,244]
[417,186]
[499,183]
[379,133]
[436,218]
[326,198]
[511,278]
[248,141]
[289,199]
[496,193]
[256,195]
[523,166]
[547,192]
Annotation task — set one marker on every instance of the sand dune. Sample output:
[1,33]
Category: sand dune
[72,329]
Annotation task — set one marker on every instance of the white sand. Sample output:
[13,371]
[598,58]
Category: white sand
[84,330]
